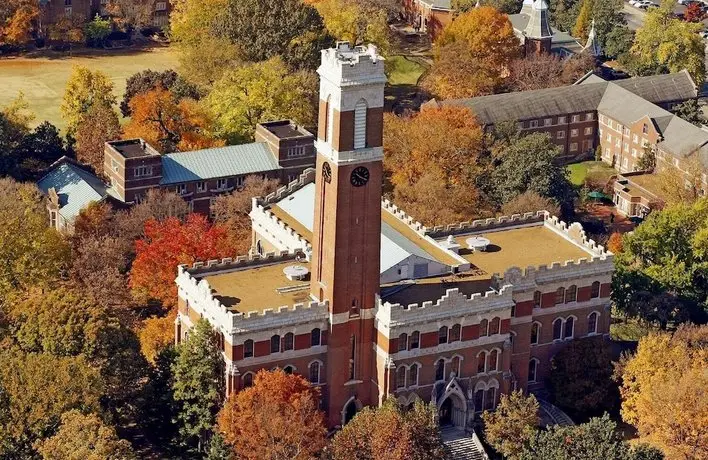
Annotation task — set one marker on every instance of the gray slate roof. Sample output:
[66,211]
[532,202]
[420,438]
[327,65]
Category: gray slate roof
[438,4]
[232,160]
[661,88]
[76,187]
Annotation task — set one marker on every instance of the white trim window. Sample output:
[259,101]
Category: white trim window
[315,371]
[142,171]
[360,124]
[201,187]
[535,333]
[592,322]
[533,370]
[222,184]
[181,189]
[239,181]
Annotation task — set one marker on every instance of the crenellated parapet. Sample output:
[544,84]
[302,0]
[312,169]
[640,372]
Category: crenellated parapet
[401,215]
[487,225]
[556,272]
[265,221]
[307,177]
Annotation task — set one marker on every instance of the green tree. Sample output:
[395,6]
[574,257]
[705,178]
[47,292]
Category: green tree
[254,93]
[85,89]
[691,111]
[37,150]
[513,424]
[607,15]
[198,384]
[563,13]
[619,41]
[32,254]
[97,31]
[667,42]
[262,29]
[85,437]
[505,6]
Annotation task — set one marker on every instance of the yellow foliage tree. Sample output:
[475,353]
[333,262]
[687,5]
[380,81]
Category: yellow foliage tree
[356,22]
[663,391]
[85,89]
[16,18]
[156,334]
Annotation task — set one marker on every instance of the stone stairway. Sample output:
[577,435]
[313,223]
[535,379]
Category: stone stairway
[461,446]
[558,416]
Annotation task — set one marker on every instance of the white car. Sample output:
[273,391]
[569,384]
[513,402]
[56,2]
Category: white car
[635,2]
[703,34]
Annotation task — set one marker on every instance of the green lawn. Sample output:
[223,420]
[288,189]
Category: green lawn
[403,70]
[42,79]
[580,171]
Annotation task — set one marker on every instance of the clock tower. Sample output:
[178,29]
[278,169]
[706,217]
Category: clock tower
[346,243]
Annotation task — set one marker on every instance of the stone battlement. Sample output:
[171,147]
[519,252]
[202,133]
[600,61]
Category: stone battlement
[486,225]
[305,178]
[403,217]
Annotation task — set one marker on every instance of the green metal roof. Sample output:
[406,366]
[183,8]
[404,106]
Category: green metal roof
[75,186]
[232,160]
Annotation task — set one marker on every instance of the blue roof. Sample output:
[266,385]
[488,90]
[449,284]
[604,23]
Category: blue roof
[232,160]
[75,186]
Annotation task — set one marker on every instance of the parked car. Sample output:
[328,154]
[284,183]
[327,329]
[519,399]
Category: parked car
[685,2]
[635,2]
[704,34]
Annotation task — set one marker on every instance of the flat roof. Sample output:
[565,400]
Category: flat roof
[286,129]
[133,148]
[646,185]
[407,292]
[258,288]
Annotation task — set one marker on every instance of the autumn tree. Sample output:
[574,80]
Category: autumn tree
[663,391]
[547,71]
[680,185]
[84,437]
[147,80]
[258,92]
[85,89]
[169,125]
[614,243]
[582,22]
[530,202]
[356,22]
[472,54]
[16,18]
[693,13]
[390,432]
[156,334]
[198,384]
[232,210]
[100,124]
[68,28]
[432,161]
[169,243]
[505,6]
[513,424]
[158,205]
[131,15]
[276,418]
[32,253]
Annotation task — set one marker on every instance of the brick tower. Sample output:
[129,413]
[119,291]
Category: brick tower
[347,227]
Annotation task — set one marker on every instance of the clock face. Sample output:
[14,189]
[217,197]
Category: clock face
[360,176]
[327,172]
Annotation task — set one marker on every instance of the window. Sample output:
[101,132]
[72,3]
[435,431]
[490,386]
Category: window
[573,133]
[440,370]
[625,162]
[401,377]
[248,349]
[494,326]
[142,171]
[481,361]
[315,337]
[292,177]
[181,189]
[575,118]
[548,122]
[413,375]
[455,333]
[592,323]
[569,326]
[521,125]
[222,184]
[315,372]
[595,290]
[415,340]
[560,295]
[442,335]
[561,120]
[328,121]
[67,10]
[483,328]
[296,151]
[533,124]
[352,357]
[201,187]
[455,365]
[635,139]
[588,117]
[573,146]
[490,398]
[53,219]
[67,2]
[634,153]
[360,124]
[403,342]
[571,294]
[160,6]
[626,147]
[645,128]
[288,369]
[618,142]
[114,165]
[238,181]
[537,299]
[602,118]
[609,137]
[588,131]
[533,367]
[289,341]
[248,380]
[557,329]
[275,344]
[478,400]
[535,333]
[493,361]
[560,135]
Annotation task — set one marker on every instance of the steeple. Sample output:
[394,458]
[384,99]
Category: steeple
[526,7]
[593,45]
[538,26]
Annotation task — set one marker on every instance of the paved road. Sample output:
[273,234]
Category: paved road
[635,16]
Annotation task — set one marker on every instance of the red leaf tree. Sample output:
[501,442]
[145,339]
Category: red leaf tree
[693,13]
[168,244]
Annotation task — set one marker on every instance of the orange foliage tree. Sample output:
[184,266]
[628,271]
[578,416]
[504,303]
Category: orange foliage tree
[168,124]
[277,418]
[472,55]
[167,244]
[432,162]
[16,18]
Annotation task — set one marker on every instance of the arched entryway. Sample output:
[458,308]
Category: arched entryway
[445,413]
[452,412]
[350,409]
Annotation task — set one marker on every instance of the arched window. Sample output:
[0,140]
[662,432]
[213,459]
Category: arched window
[415,340]
[440,370]
[442,335]
[455,333]
[483,328]
[512,339]
[288,369]
[455,365]
[560,295]
[329,120]
[259,247]
[493,361]
[403,342]
[571,294]
[401,377]
[479,400]
[481,361]
[360,124]
[557,329]
[248,349]
[569,327]
[315,372]
[315,337]
[494,326]
[535,333]
[490,399]
[595,290]
[289,341]
[248,380]
[537,299]
[533,367]
[592,323]
[413,375]
[275,344]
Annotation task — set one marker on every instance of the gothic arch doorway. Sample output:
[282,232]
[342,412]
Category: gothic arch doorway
[445,412]
[350,409]
[452,406]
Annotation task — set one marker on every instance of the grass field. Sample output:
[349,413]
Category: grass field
[42,79]
[404,71]
[579,171]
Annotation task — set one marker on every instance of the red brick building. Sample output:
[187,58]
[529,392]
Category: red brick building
[367,303]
